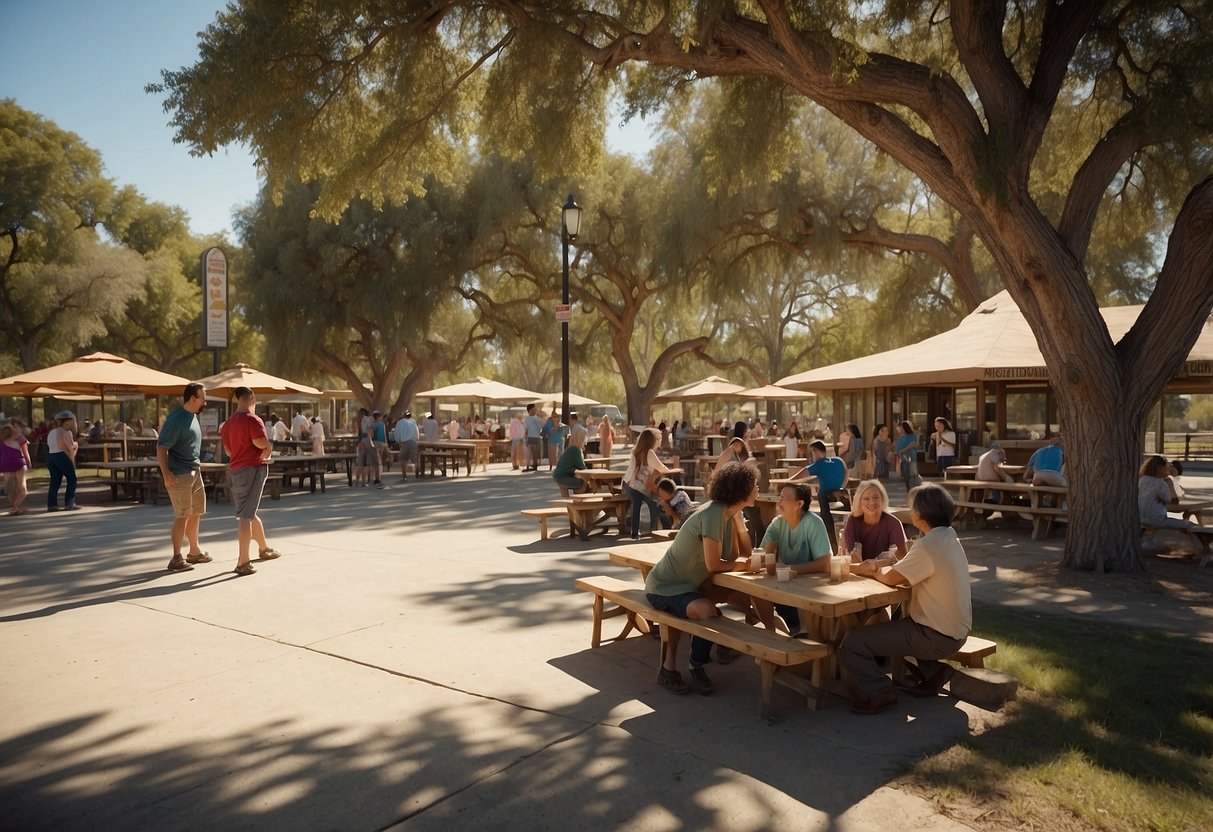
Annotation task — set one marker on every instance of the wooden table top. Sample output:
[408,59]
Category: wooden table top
[812,593]
[1018,487]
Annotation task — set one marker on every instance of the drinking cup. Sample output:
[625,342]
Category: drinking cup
[770,560]
[757,561]
[836,568]
[846,568]
[783,573]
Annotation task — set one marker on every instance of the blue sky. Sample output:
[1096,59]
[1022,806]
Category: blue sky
[84,65]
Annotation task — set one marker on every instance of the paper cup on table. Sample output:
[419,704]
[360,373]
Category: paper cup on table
[783,573]
[770,559]
[756,561]
[836,568]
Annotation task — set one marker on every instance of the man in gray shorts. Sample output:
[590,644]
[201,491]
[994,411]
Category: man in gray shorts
[248,448]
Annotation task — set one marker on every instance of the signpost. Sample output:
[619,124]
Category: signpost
[215,322]
[564,313]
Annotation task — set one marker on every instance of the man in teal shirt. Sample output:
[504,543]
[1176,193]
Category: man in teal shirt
[178,450]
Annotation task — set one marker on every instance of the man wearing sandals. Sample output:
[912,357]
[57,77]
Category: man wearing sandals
[248,448]
[178,451]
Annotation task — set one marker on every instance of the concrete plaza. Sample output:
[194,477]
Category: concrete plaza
[416,660]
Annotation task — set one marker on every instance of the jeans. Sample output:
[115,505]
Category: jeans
[61,467]
[701,648]
[944,462]
[640,498]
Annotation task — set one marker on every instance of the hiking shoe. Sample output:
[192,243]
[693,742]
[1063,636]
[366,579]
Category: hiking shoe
[726,655]
[201,557]
[702,683]
[178,564]
[672,681]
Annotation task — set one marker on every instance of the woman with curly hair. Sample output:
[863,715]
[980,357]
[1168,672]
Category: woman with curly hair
[714,539]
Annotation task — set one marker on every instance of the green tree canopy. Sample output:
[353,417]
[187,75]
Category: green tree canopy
[965,95]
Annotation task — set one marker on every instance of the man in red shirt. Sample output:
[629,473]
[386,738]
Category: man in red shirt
[248,448]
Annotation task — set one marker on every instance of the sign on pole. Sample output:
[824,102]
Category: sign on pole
[214,299]
[564,313]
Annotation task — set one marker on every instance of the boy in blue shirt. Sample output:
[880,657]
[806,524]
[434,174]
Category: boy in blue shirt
[831,473]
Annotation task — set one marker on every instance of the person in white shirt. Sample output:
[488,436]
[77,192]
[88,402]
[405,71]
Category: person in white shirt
[406,437]
[452,430]
[940,608]
[301,425]
[517,437]
[430,428]
[280,433]
[316,431]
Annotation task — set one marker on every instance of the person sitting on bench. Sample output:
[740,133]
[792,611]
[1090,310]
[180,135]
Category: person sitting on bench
[714,539]
[940,610]
[831,473]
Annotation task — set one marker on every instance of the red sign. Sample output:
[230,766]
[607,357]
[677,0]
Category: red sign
[564,313]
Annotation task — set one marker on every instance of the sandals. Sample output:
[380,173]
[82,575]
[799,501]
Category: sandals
[244,569]
[269,554]
[199,557]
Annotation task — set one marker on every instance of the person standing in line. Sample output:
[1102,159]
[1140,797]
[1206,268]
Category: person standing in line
[178,450]
[517,437]
[61,447]
[301,426]
[534,438]
[379,437]
[317,434]
[430,428]
[944,438]
[406,437]
[606,437]
[248,449]
[14,462]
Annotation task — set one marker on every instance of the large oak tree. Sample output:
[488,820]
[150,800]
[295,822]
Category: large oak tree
[963,94]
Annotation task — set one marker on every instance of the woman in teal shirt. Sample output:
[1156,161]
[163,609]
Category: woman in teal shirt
[799,540]
[713,539]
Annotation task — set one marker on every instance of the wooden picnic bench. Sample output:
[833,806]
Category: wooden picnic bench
[972,506]
[543,515]
[774,652]
[436,459]
[589,513]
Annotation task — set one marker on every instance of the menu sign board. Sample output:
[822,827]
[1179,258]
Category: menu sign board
[214,299]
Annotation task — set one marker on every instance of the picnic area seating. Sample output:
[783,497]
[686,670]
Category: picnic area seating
[1200,536]
[774,652]
[543,515]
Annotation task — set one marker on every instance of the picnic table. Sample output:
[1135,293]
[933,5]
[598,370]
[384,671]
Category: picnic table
[135,477]
[1044,502]
[828,610]
[602,461]
[1191,508]
[600,481]
[441,451]
[310,467]
[968,472]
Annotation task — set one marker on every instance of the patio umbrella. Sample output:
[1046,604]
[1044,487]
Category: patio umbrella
[574,400]
[775,393]
[242,375]
[704,390]
[96,374]
[481,390]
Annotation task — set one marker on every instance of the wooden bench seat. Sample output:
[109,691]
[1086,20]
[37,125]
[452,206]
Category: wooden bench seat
[436,459]
[974,652]
[543,515]
[1042,517]
[773,651]
[589,513]
[1201,536]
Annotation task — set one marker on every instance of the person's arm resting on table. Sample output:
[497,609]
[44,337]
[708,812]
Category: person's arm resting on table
[712,551]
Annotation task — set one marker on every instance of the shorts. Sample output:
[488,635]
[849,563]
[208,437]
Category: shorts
[188,495]
[364,452]
[676,604]
[247,485]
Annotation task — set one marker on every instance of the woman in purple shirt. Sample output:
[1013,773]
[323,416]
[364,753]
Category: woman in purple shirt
[870,524]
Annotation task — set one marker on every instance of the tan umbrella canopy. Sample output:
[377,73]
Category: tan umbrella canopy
[704,390]
[242,375]
[481,389]
[574,401]
[775,393]
[97,374]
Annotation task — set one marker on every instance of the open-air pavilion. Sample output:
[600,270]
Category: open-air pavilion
[986,376]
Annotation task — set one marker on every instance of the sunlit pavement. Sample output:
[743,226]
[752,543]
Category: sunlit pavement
[416,658]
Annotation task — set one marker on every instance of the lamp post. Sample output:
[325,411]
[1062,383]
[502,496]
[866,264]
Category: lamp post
[570,227]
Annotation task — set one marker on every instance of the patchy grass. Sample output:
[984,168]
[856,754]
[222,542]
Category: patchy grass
[1113,730]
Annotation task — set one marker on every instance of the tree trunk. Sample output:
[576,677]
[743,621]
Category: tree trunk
[1103,453]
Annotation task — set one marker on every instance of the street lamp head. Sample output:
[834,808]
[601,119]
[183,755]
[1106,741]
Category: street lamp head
[571,216]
